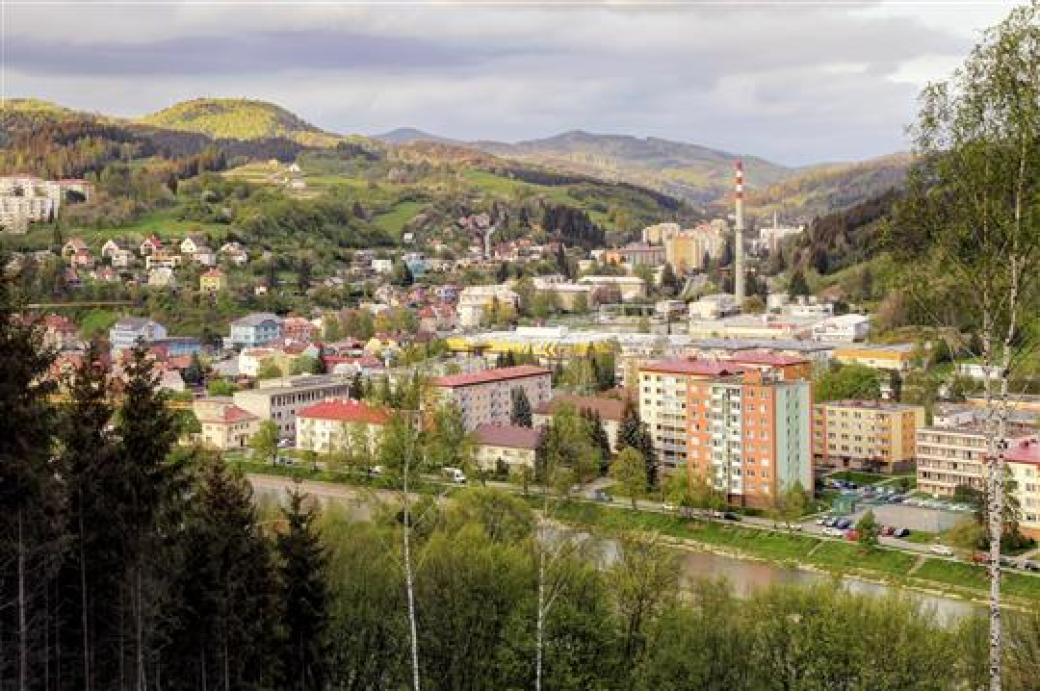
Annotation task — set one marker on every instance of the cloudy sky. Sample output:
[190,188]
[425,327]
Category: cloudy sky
[797,81]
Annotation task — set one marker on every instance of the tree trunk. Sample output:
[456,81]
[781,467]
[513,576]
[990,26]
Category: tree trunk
[408,575]
[23,618]
[540,623]
[84,617]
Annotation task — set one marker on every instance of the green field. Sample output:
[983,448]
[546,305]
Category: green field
[394,221]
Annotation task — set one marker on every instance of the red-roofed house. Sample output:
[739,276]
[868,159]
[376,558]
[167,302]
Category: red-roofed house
[486,397]
[336,425]
[505,445]
[1023,463]
[224,425]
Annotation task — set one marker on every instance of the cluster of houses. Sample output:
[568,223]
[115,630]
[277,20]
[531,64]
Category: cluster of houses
[118,260]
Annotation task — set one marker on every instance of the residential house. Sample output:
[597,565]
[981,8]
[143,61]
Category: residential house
[204,256]
[212,281]
[192,243]
[299,330]
[505,447]
[335,425]
[235,253]
[162,277]
[126,332]
[71,247]
[150,244]
[224,425]
[162,258]
[60,333]
[111,247]
[256,329]
[1023,463]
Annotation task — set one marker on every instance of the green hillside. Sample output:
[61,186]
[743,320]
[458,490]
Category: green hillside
[236,118]
[826,189]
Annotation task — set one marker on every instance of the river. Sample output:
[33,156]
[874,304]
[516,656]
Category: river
[744,575]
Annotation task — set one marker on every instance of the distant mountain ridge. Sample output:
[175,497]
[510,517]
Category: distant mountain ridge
[693,173]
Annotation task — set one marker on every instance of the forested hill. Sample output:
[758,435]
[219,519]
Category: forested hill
[228,118]
[838,240]
[825,189]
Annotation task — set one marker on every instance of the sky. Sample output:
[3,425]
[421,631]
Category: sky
[794,81]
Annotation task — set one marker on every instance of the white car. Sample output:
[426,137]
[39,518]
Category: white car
[833,532]
[942,550]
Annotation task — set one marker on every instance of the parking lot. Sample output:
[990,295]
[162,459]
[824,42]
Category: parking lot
[912,517]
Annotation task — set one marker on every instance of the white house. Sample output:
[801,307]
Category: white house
[845,328]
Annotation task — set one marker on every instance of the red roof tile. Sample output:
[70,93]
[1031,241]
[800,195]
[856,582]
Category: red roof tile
[489,376]
[1025,450]
[702,368]
[346,411]
[507,435]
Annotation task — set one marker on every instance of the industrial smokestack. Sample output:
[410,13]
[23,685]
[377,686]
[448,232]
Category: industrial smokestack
[738,240]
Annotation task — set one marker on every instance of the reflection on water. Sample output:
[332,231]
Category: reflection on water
[747,576]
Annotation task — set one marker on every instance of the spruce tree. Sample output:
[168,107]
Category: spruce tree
[521,410]
[91,575]
[30,495]
[223,622]
[305,599]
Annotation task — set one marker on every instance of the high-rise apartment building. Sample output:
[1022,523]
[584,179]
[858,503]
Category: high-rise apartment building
[743,429]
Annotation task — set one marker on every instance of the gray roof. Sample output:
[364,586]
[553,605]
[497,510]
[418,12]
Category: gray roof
[256,318]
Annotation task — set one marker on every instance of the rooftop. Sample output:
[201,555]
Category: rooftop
[871,405]
[761,357]
[346,411]
[608,408]
[695,367]
[256,318]
[228,414]
[507,435]
[489,376]
[1024,450]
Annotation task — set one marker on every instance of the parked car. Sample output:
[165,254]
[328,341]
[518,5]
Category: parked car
[897,499]
[832,532]
[730,516]
[1029,565]
[822,520]
[600,495]
[284,460]
[980,558]
[284,443]
[844,524]
[901,532]
[942,550]
[887,531]
[455,475]
[1008,562]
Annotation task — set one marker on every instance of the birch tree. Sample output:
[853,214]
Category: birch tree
[971,229]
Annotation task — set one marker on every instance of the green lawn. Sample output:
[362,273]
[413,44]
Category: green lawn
[394,221]
[842,556]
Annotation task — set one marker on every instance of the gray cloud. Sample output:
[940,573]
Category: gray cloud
[798,83]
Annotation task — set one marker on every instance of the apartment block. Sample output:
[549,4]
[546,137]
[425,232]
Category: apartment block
[951,457]
[868,435]
[329,426]
[745,430]
[1023,463]
[280,399]
[486,397]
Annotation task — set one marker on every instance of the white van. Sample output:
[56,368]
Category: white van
[455,475]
